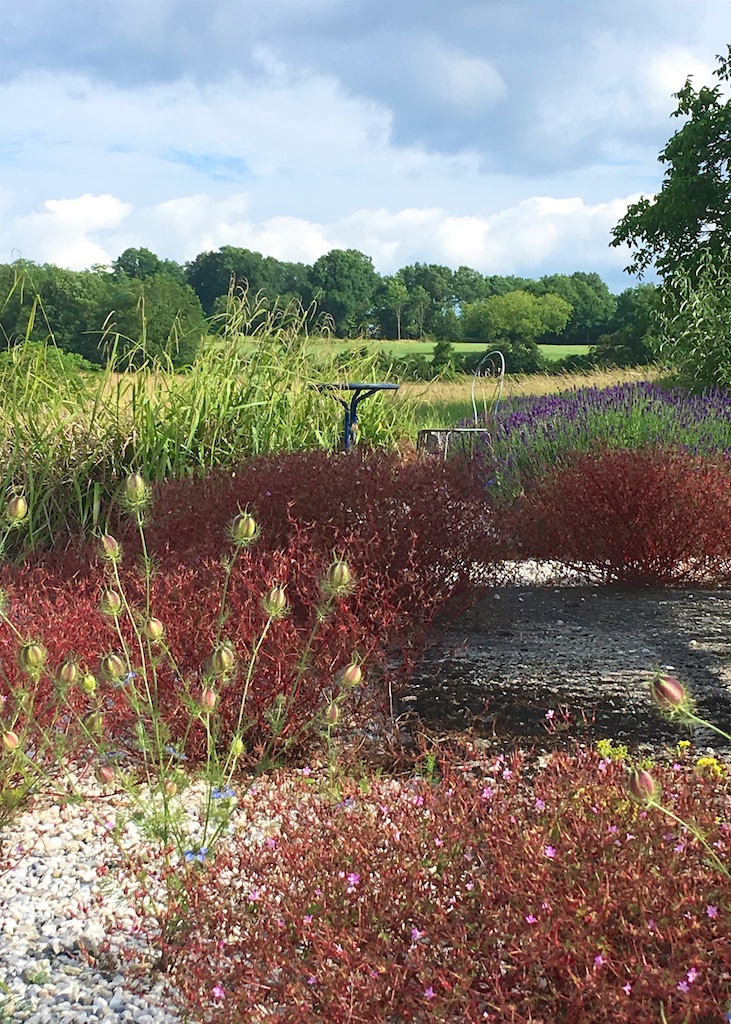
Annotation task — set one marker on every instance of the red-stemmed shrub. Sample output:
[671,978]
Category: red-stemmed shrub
[498,895]
[652,516]
[409,540]
[423,521]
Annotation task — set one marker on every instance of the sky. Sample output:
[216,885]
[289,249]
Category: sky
[505,135]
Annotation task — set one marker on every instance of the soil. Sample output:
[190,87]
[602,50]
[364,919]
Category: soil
[584,653]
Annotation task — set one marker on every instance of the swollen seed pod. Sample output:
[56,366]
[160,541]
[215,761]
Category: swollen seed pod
[643,787]
[169,788]
[237,746]
[332,715]
[243,529]
[10,740]
[94,721]
[338,576]
[222,660]
[110,603]
[208,699]
[105,775]
[32,657]
[110,549]
[88,683]
[112,667]
[135,490]
[68,673]
[351,676]
[154,630]
[275,602]
[16,509]
[668,693]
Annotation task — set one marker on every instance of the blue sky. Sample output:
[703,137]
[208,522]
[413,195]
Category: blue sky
[508,135]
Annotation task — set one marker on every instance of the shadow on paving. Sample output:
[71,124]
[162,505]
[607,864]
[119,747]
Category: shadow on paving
[524,651]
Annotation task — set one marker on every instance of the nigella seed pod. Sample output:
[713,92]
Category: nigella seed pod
[169,788]
[222,660]
[208,699]
[16,509]
[338,576]
[351,676]
[668,693]
[154,629]
[244,529]
[105,775]
[68,673]
[237,746]
[275,602]
[112,667]
[643,786]
[10,740]
[88,683]
[94,721]
[32,657]
[109,548]
[110,603]
[332,715]
[135,490]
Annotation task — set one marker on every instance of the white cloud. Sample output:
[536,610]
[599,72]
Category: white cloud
[62,231]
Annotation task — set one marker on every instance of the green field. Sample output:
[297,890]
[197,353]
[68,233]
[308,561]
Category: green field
[404,349]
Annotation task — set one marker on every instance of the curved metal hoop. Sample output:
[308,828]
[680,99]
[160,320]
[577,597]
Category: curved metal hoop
[497,372]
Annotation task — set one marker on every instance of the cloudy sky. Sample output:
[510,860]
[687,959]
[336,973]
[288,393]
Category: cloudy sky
[508,135]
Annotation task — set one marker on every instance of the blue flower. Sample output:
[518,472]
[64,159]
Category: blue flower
[199,854]
[176,753]
[222,794]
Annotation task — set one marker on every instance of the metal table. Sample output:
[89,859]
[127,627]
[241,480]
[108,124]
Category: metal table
[359,392]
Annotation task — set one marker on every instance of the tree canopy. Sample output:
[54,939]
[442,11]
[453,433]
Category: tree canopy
[692,212]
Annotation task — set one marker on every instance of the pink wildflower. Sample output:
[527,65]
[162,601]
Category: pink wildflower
[550,852]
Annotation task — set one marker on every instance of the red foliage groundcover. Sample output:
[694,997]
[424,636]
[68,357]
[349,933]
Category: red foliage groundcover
[409,530]
[652,516]
[541,896]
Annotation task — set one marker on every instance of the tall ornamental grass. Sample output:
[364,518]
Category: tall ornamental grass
[67,436]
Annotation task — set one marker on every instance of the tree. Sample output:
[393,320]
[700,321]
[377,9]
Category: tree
[431,291]
[632,336]
[593,306]
[513,322]
[692,212]
[138,263]
[395,299]
[155,317]
[345,286]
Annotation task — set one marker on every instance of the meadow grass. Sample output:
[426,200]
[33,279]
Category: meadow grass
[65,436]
[324,348]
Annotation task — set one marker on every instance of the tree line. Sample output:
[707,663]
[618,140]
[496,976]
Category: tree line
[145,305]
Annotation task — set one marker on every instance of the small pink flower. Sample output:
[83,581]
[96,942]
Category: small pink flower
[470,886]
[550,714]
[507,774]
[487,793]
[540,804]
[416,934]
[418,801]
[692,975]
[550,852]
[598,960]
[438,841]
[712,911]
[307,771]
[218,992]
[683,986]
[627,988]
[307,919]
[311,980]
[353,880]
[429,993]
[530,918]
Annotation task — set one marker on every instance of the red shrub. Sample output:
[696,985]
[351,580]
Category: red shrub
[423,522]
[472,899]
[652,516]
[409,532]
